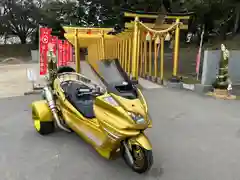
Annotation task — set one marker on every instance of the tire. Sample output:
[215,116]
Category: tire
[44,128]
[63,69]
[146,162]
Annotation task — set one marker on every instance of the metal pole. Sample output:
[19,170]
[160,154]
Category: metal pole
[176,49]
[135,50]
[162,59]
[199,52]
[77,52]
[103,45]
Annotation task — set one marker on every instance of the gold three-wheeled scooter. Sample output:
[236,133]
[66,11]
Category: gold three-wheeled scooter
[112,118]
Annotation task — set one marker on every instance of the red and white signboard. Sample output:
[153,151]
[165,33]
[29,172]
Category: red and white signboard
[45,38]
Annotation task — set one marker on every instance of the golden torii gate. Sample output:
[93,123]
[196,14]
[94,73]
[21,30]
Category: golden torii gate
[82,37]
[126,45]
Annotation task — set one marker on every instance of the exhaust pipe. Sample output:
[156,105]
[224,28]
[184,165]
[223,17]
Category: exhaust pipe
[49,97]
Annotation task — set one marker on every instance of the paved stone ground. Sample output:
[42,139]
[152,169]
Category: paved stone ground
[193,137]
[14,82]
[13,79]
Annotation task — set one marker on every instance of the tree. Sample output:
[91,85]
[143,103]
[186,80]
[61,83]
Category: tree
[68,12]
[20,18]
[108,13]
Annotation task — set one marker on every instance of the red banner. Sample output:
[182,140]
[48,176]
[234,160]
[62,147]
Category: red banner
[64,60]
[60,53]
[54,41]
[71,53]
[68,53]
[45,38]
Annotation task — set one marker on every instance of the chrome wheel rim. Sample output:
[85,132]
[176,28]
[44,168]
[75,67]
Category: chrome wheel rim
[138,157]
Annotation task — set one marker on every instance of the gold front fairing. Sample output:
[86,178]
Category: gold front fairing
[140,140]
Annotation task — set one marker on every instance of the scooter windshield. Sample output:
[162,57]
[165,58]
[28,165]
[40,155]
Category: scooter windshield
[112,72]
[116,79]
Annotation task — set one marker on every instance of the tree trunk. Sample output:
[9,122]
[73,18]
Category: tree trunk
[5,38]
[236,24]
[23,39]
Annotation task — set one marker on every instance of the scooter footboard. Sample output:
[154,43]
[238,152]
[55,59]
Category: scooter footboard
[41,111]
[141,140]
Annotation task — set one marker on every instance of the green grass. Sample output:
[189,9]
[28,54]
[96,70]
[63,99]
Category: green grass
[237,97]
[191,81]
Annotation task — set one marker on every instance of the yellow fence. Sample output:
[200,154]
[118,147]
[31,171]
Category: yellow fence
[140,50]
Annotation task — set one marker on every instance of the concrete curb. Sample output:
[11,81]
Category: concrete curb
[37,90]
[156,81]
[202,90]
[32,93]
[198,88]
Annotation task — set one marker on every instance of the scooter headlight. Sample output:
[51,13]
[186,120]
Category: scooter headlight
[139,119]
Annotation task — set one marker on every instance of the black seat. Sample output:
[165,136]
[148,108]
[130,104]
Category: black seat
[84,104]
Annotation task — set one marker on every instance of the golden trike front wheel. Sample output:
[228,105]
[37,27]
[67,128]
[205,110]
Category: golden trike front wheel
[142,159]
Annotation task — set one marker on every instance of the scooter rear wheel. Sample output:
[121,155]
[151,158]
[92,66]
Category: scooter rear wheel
[142,159]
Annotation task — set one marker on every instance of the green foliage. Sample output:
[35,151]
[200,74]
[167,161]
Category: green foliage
[58,31]
[21,17]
